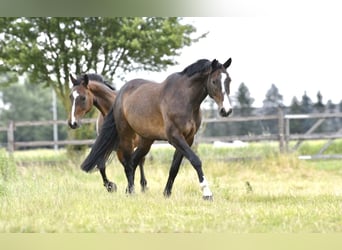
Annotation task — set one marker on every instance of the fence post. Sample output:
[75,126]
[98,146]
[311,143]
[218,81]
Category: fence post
[281,129]
[287,133]
[10,137]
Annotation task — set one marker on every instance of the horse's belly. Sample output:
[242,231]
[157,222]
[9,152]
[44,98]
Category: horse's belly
[147,125]
[149,129]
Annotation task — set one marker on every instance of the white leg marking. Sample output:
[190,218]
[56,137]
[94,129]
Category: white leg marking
[205,188]
[75,94]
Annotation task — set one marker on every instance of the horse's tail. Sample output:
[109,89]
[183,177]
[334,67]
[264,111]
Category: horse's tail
[104,145]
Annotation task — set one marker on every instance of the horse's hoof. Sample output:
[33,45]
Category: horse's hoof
[111,187]
[167,194]
[208,198]
[130,190]
[144,189]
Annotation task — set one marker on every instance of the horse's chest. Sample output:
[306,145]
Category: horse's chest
[187,124]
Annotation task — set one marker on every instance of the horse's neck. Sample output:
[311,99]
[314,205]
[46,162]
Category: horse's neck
[193,90]
[103,97]
[198,94]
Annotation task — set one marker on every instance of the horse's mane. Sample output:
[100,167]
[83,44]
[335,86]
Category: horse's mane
[201,65]
[97,78]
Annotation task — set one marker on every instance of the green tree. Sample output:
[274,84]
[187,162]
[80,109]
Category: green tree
[306,104]
[331,124]
[295,124]
[273,100]
[306,108]
[319,106]
[243,107]
[48,49]
[340,110]
[28,102]
[244,99]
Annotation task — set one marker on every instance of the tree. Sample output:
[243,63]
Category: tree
[331,124]
[244,99]
[340,110]
[28,102]
[48,49]
[306,108]
[273,101]
[295,124]
[243,107]
[319,106]
[306,104]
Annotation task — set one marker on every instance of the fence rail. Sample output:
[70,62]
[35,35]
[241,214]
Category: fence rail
[283,136]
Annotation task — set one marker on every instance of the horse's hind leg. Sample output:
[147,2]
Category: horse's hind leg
[138,157]
[177,159]
[143,181]
[110,186]
[124,156]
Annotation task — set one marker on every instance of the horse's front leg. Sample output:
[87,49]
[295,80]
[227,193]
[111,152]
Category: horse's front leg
[177,159]
[110,186]
[181,145]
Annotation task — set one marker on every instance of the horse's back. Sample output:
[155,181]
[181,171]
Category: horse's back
[138,106]
[139,92]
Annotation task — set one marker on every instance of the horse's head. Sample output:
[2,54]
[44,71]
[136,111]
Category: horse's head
[81,100]
[219,89]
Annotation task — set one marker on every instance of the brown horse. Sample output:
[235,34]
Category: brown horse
[167,111]
[92,90]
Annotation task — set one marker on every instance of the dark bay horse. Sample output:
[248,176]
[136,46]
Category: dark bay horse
[92,90]
[166,111]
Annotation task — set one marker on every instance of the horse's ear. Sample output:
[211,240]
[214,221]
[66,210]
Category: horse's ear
[85,80]
[227,63]
[214,64]
[72,79]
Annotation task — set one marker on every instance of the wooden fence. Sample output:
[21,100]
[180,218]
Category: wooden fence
[283,136]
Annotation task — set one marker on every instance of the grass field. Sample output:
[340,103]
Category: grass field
[45,191]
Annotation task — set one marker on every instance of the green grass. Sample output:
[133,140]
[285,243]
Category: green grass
[313,147]
[288,195]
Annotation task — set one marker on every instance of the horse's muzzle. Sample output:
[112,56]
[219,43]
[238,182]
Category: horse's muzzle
[225,113]
[73,125]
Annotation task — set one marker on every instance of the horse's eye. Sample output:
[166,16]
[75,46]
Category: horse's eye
[82,98]
[216,83]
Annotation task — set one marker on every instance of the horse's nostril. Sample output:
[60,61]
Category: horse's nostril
[225,113]
[73,125]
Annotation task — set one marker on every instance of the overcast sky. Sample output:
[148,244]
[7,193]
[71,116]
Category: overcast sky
[297,54]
